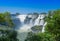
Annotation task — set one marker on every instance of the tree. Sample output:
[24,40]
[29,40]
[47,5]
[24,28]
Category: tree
[40,37]
[5,19]
[8,35]
[53,24]
[6,22]
[2,19]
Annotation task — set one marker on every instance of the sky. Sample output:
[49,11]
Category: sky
[28,6]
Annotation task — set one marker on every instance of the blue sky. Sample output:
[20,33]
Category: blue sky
[28,6]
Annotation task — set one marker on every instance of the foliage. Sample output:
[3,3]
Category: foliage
[2,20]
[5,19]
[53,24]
[6,35]
[40,37]
[32,37]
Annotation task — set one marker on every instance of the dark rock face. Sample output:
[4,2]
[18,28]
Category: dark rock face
[31,17]
[37,28]
[27,20]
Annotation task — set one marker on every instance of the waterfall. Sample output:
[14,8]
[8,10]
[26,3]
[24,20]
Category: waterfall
[24,29]
[37,21]
[28,21]
[44,27]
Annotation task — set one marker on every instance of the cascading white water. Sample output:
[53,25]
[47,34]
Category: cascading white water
[44,27]
[25,28]
[37,21]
